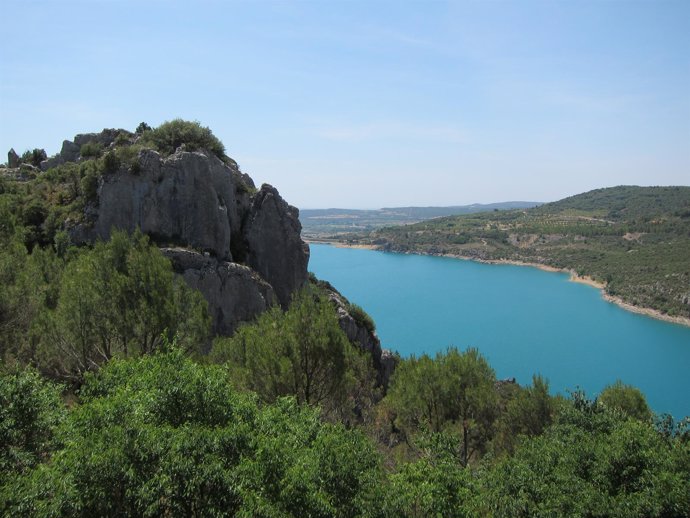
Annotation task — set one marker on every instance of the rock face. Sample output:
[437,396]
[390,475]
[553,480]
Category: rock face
[275,248]
[187,198]
[71,151]
[234,293]
[12,158]
[241,248]
[384,360]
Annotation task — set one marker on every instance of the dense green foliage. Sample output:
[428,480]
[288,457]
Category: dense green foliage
[626,399]
[170,135]
[454,391]
[285,418]
[635,240]
[69,314]
[162,435]
[30,411]
[301,352]
[593,463]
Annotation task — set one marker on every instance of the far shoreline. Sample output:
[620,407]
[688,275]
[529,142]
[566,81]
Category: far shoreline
[650,312]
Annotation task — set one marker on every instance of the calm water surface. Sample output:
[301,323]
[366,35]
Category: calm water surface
[523,320]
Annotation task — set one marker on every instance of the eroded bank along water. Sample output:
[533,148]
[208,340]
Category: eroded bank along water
[523,320]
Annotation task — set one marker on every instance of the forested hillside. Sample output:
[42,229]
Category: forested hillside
[121,394]
[320,223]
[635,240]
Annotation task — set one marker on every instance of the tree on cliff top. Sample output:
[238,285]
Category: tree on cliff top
[170,135]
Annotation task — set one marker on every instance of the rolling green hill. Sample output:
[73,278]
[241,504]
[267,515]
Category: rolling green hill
[317,223]
[635,240]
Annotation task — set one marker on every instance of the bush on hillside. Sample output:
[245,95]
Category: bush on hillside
[361,317]
[170,135]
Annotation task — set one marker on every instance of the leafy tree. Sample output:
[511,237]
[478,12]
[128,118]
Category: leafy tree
[164,436]
[30,284]
[142,128]
[434,485]
[91,149]
[455,390]
[626,399]
[119,299]
[302,352]
[30,409]
[527,413]
[34,157]
[592,463]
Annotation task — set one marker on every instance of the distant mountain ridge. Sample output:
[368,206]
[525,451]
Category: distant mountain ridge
[322,222]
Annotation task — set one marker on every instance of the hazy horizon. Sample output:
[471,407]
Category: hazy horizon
[366,105]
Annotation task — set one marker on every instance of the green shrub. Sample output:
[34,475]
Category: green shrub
[142,128]
[34,157]
[122,138]
[91,150]
[170,135]
[111,162]
[128,156]
[361,317]
[89,186]
[30,408]
[164,436]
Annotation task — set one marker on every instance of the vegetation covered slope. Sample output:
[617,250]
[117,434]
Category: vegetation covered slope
[320,223]
[286,417]
[165,436]
[635,240]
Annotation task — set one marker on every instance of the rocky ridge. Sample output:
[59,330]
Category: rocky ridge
[238,245]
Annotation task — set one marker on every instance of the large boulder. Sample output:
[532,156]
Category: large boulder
[234,292]
[274,246]
[186,199]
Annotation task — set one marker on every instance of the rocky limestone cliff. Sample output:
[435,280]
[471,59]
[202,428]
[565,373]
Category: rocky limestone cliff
[367,340]
[234,293]
[186,198]
[240,247]
[274,246]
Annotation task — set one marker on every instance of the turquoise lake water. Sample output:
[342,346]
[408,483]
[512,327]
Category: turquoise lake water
[523,320]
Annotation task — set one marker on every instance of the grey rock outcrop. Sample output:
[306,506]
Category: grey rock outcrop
[187,199]
[71,150]
[384,361]
[12,158]
[234,293]
[241,248]
[389,361]
[274,246]
[104,138]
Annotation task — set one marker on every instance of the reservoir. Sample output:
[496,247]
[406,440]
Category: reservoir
[524,320]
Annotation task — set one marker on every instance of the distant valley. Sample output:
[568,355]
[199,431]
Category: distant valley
[323,223]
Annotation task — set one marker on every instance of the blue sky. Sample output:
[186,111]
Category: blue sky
[370,104]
